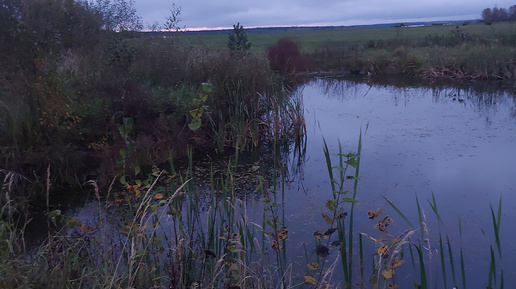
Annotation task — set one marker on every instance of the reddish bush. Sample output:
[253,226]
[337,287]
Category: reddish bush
[286,58]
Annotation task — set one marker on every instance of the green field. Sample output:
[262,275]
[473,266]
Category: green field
[311,40]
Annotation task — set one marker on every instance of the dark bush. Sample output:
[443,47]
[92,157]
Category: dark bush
[286,58]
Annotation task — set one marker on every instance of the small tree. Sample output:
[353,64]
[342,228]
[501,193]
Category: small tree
[117,15]
[237,40]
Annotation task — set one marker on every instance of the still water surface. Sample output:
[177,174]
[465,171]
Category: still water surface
[455,142]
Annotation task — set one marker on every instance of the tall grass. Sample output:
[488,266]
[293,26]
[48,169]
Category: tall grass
[168,230]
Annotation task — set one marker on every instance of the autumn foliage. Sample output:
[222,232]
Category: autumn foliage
[286,58]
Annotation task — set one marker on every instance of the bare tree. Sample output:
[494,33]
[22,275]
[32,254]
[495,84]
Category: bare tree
[118,15]
[172,22]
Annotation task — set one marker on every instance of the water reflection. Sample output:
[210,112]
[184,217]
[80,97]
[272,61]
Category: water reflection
[456,141]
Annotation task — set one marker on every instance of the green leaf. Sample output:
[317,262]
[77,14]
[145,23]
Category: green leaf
[122,130]
[197,102]
[54,213]
[349,200]
[195,124]
[120,163]
[123,181]
[136,170]
[123,153]
[131,145]
[128,123]
[352,162]
[196,113]
[207,87]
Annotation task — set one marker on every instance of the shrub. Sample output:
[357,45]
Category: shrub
[286,58]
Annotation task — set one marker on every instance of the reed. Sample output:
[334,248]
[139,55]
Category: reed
[337,216]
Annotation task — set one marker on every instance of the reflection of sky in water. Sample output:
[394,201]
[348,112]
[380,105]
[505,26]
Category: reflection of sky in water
[454,143]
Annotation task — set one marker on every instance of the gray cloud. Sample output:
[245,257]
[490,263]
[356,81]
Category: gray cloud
[224,13]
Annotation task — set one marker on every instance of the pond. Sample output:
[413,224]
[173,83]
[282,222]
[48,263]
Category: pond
[432,150]
[455,142]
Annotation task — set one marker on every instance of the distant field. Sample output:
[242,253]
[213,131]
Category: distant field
[310,40]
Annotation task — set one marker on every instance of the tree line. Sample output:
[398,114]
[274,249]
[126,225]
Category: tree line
[495,14]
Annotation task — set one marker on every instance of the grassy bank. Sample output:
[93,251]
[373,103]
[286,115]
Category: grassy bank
[463,51]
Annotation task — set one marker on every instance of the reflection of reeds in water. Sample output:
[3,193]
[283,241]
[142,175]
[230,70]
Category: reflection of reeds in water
[172,235]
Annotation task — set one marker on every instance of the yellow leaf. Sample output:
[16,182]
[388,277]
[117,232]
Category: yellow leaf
[320,236]
[233,266]
[313,265]
[388,273]
[282,235]
[327,219]
[310,280]
[397,262]
[158,196]
[383,251]
[232,248]
[276,246]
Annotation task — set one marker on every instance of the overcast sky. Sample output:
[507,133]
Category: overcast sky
[267,13]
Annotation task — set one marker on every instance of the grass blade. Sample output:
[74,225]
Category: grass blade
[452,265]
[496,226]
[433,205]
[492,269]
[462,269]
[398,211]
[443,267]
[423,279]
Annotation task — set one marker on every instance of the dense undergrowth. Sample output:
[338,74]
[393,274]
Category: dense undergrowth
[79,101]
[455,54]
